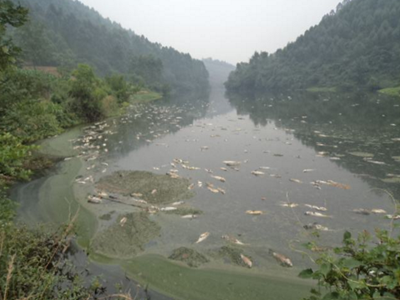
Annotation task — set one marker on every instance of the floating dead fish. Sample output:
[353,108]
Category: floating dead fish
[202,237]
[222,191]
[189,217]
[316,214]
[136,195]
[67,158]
[224,169]
[140,201]
[295,180]
[232,163]
[396,140]
[211,189]
[378,211]
[209,171]
[177,203]
[199,184]
[376,162]
[290,204]
[204,148]
[246,260]
[153,192]
[285,261]
[275,176]
[191,187]
[394,217]
[222,179]
[231,239]
[123,221]
[264,168]
[320,208]
[173,175]
[361,211]
[94,200]
[254,212]
[169,208]
[257,173]
[308,170]
[315,226]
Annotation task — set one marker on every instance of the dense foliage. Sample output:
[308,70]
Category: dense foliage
[356,45]
[64,33]
[361,269]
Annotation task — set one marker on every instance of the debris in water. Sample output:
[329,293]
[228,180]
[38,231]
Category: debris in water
[246,260]
[254,212]
[316,214]
[202,237]
[320,208]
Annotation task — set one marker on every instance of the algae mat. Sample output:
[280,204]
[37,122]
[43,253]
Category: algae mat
[155,189]
[126,237]
[183,283]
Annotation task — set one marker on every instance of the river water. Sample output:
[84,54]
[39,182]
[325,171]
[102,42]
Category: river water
[336,155]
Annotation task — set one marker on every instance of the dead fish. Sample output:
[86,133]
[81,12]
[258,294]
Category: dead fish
[67,158]
[285,261]
[169,208]
[204,148]
[177,203]
[224,169]
[361,211]
[275,176]
[215,191]
[316,214]
[222,179]
[202,237]
[94,200]
[137,195]
[316,226]
[295,180]
[191,187]
[140,201]
[378,211]
[232,163]
[290,204]
[189,217]
[254,212]
[199,184]
[246,260]
[153,192]
[102,195]
[222,191]
[123,221]
[320,208]
[231,239]
[257,173]
[308,170]
[209,171]
[394,217]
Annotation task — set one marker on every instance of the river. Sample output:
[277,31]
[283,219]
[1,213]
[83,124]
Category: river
[305,159]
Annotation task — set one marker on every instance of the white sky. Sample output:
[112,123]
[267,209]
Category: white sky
[230,30]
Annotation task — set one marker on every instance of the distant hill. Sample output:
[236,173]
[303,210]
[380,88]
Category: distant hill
[357,45]
[218,70]
[63,33]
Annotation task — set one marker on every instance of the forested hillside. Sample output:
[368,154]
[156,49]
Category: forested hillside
[63,33]
[357,45]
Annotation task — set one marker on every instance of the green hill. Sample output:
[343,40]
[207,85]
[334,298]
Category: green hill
[357,45]
[64,33]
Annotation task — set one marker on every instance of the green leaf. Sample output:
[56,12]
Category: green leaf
[331,296]
[346,236]
[351,263]
[306,274]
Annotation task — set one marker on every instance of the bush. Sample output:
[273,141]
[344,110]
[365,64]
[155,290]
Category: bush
[365,268]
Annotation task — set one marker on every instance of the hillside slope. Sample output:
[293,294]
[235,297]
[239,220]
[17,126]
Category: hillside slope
[65,33]
[356,45]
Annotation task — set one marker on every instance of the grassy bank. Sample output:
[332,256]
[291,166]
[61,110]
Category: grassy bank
[394,91]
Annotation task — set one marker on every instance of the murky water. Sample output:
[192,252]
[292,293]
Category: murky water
[337,152]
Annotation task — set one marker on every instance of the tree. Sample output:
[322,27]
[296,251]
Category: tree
[14,16]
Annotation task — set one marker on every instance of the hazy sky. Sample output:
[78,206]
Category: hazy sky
[229,30]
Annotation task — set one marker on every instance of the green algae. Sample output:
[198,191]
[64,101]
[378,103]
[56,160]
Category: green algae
[183,283]
[127,238]
[191,257]
[156,189]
